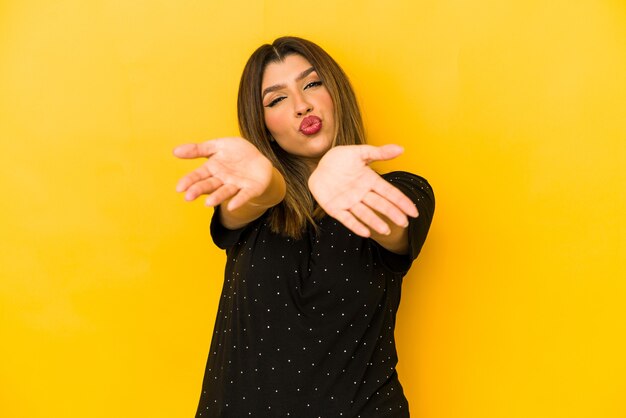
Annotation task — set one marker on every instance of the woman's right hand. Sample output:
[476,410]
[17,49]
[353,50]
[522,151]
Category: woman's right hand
[235,171]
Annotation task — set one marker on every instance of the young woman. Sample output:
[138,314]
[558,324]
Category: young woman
[317,245]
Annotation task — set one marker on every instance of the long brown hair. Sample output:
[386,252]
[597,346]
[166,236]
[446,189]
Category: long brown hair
[291,216]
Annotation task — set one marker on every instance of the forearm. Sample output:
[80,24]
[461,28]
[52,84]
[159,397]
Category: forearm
[255,207]
[397,241]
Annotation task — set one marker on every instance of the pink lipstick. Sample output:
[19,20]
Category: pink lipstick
[310,125]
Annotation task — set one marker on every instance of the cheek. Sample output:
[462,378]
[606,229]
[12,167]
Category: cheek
[328,104]
[273,122]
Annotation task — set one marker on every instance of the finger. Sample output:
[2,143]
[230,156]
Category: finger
[352,223]
[239,200]
[203,149]
[369,218]
[206,186]
[371,153]
[383,206]
[199,174]
[395,196]
[220,195]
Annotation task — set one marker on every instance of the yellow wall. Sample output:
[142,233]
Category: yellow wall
[514,110]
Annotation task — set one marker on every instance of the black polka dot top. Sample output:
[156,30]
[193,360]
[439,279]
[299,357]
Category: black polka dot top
[305,328]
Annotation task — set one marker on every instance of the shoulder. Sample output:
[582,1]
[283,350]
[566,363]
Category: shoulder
[419,190]
[225,237]
[410,184]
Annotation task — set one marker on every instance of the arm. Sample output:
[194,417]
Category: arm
[254,208]
[350,191]
[398,239]
[236,176]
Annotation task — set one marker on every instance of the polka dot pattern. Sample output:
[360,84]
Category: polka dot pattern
[305,328]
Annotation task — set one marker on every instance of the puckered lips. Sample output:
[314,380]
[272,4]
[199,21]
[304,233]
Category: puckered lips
[310,125]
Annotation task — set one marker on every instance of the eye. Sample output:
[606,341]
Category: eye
[313,84]
[275,101]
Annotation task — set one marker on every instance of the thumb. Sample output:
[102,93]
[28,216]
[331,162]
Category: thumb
[384,152]
[203,149]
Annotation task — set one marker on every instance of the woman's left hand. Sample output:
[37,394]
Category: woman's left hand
[350,191]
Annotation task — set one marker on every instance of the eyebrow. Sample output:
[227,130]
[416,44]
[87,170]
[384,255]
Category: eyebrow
[275,87]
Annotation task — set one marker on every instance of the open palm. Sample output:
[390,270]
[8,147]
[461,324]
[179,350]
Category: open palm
[350,191]
[235,169]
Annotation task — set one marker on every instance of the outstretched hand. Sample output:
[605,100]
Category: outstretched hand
[235,169]
[350,191]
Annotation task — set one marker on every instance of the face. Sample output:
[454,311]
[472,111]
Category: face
[298,109]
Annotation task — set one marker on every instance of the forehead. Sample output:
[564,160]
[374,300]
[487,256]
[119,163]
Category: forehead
[284,72]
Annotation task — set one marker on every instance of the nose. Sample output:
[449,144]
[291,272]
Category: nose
[302,106]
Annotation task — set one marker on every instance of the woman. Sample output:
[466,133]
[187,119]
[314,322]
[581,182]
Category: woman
[317,246]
